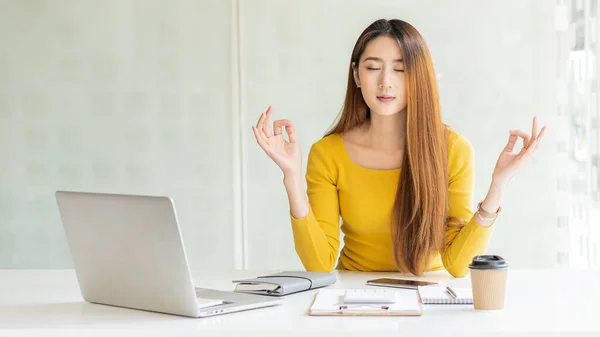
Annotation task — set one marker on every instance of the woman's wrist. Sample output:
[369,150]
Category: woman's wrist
[491,203]
[488,209]
[292,180]
[294,187]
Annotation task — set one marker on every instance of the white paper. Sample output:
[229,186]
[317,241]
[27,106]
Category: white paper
[330,300]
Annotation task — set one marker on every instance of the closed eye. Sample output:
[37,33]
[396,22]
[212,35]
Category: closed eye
[398,70]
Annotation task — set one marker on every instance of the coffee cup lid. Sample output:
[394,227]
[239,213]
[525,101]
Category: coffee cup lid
[488,262]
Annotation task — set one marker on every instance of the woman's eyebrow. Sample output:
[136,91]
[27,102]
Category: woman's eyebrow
[379,59]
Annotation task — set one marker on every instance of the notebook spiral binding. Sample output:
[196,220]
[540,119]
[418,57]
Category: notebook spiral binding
[447,301]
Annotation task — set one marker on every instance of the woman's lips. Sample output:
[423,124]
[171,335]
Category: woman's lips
[385,98]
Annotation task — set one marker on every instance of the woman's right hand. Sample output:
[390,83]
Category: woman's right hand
[286,154]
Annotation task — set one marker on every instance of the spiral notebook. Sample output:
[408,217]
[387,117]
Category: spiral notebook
[439,295]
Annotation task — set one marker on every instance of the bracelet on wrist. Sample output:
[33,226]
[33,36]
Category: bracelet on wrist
[481,212]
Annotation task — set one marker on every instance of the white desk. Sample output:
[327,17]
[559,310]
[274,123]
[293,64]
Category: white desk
[536,301]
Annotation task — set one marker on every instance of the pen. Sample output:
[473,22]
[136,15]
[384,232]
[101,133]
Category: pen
[364,307]
[451,292]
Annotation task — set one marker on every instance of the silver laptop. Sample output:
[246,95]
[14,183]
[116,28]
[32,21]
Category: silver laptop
[127,251]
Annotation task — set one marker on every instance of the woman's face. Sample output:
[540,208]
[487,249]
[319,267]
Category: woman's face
[380,75]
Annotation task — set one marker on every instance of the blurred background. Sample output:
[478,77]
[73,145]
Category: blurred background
[158,98]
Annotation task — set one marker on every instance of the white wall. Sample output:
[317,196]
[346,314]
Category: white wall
[149,97]
[115,96]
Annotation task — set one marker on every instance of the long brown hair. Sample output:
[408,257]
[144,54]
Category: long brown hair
[420,209]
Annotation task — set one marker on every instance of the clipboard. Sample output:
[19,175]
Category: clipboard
[330,302]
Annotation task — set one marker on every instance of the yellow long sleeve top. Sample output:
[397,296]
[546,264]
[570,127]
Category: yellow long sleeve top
[364,199]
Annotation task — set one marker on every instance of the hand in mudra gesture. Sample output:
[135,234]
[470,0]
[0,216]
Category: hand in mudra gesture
[286,154]
[509,162]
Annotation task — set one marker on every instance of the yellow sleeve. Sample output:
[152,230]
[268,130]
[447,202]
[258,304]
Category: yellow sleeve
[462,243]
[316,236]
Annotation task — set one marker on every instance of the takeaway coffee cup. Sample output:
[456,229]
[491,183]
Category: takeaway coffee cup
[488,280]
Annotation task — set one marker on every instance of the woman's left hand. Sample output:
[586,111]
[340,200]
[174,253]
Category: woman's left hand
[508,163]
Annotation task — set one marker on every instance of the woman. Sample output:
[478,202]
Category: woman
[401,180]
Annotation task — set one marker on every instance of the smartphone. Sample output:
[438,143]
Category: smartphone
[397,283]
